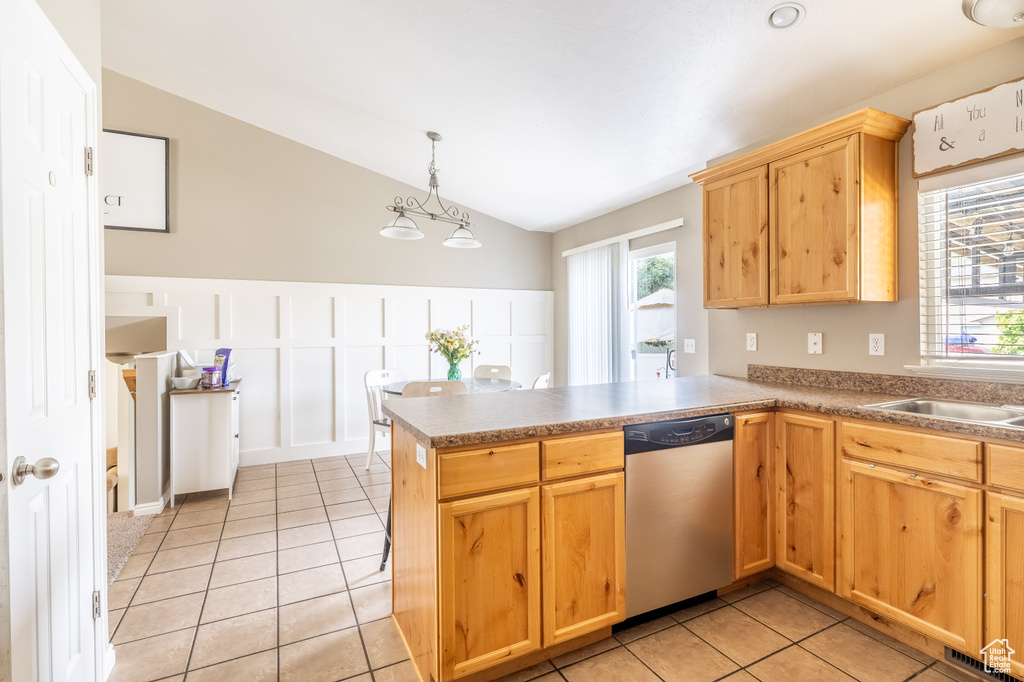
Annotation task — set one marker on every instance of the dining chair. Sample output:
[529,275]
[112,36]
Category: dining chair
[493,372]
[542,381]
[419,389]
[375,380]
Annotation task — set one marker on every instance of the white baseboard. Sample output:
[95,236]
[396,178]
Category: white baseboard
[150,507]
[108,662]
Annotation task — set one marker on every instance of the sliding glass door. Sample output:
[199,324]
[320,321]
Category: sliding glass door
[651,298]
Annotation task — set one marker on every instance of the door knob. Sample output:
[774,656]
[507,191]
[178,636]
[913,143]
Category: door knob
[47,467]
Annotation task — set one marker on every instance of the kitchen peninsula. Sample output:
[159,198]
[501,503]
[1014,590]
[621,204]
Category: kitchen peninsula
[508,513]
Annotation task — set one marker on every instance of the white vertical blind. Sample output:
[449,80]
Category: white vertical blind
[596,301]
[972,270]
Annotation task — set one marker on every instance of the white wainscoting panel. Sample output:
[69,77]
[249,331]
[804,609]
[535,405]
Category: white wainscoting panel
[302,348]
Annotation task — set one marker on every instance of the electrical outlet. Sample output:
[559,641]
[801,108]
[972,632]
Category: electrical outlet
[751,341]
[689,345]
[814,343]
[876,344]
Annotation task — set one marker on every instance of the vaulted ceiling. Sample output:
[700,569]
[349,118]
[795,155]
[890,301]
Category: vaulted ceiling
[552,111]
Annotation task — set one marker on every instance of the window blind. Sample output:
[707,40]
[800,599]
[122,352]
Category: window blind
[972,271]
[596,306]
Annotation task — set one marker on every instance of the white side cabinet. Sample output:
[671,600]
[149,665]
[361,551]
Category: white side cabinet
[204,439]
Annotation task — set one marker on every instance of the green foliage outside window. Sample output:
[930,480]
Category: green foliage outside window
[1011,333]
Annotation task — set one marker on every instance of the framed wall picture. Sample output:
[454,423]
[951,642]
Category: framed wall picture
[135,181]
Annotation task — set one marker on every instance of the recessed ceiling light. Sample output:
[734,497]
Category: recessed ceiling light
[787,14]
[995,13]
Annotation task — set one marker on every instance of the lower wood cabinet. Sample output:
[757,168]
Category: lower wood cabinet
[1004,559]
[753,506]
[805,497]
[584,583]
[911,550]
[490,580]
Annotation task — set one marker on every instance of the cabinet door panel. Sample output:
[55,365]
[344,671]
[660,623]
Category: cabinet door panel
[736,240]
[1004,560]
[490,580]
[911,551]
[754,539]
[805,503]
[584,556]
[814,198]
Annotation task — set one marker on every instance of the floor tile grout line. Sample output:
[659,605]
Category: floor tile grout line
[209,580]
[348,591]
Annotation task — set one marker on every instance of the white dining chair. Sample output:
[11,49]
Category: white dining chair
[421,389]
[542,381]
[493,372]
[375,380]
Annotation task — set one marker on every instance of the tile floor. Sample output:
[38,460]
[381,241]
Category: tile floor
[282,584]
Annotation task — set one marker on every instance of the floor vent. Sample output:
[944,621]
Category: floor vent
[976,667]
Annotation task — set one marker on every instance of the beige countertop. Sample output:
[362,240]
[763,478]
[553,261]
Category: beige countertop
[452,421]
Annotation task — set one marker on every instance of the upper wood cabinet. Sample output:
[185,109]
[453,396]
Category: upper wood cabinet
[828,197]
[736,240]
[805,503]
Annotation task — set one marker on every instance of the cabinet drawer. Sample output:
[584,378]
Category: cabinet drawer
[476,471]
[567,457]
[1005,466]
[913,450]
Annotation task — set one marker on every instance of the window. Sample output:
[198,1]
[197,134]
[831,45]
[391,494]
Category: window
[972,270]
[596,302]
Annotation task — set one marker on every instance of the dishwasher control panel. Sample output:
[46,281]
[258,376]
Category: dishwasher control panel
[677,433]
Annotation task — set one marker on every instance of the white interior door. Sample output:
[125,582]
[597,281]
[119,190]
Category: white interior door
[46,235]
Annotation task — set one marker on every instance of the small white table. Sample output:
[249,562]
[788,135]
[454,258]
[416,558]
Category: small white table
[473,385]
[204,439]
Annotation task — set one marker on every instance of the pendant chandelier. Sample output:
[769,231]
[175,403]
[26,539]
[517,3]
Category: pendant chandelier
[403,227]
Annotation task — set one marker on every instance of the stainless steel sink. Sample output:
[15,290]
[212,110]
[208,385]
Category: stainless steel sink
[1011,416]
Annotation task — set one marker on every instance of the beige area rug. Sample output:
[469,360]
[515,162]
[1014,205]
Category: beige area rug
[124,530]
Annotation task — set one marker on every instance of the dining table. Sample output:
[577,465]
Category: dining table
[473,385]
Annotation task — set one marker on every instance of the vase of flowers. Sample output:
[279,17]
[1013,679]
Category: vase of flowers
[454,346]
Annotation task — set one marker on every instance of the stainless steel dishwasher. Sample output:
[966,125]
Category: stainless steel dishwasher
[678,510]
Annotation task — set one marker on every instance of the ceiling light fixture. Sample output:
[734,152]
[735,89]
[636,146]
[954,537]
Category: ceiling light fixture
[403,227]
[995,13]
[786,15]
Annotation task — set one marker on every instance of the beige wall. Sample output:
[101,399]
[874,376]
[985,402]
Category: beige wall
[782,332]
[249,204]
[691,319]
[78,22]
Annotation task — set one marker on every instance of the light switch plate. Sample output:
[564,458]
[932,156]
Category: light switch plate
[751,341]
[421,455]
[814,343]
[689,345]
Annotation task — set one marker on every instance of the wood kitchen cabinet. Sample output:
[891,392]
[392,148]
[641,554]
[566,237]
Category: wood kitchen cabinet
[490,581]
[831,217]
[584,555]
[805,496]
[736,240]
[530,550]
[1004,551]
[753,496]
[911,550]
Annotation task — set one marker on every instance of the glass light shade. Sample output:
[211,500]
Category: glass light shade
[402,227]
[995,13]
[785,15]
[462,238]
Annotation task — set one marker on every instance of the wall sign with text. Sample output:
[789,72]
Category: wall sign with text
[974,128]
[135,181]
